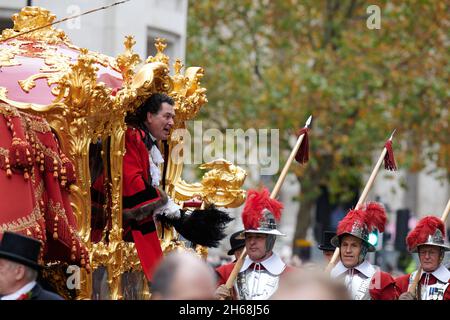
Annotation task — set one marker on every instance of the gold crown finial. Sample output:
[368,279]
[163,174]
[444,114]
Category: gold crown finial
[129,42]
[128,60]
[160,44]
[177,66]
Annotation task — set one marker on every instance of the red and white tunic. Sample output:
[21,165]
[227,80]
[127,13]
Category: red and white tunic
[255,280]
[366,282]
[432,285]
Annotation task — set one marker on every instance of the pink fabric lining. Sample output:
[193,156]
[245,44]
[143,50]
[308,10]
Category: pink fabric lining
[41,93]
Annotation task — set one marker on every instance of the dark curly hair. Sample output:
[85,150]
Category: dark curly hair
[153,105]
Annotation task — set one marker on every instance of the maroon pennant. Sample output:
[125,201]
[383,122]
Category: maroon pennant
[302,155]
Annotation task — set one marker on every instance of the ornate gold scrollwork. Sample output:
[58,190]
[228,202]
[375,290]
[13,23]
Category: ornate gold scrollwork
[44,43]
[32,17]
[221,185]
[88,114]
[8,56]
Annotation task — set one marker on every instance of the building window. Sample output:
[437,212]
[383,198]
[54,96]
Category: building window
[5,23]
[173,49]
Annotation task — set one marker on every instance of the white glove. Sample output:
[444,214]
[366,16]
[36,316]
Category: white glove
[170,210]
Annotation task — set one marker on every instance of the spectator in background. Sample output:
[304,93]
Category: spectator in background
[305,284]
[237,244]
[326,247]
[19,269]
[183,276]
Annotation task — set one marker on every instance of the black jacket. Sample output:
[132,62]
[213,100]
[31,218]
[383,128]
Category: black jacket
[38,293]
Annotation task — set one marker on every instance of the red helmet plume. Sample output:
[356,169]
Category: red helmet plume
[352,217]
[254,206]
[375,216]
[360,222]
[429,230]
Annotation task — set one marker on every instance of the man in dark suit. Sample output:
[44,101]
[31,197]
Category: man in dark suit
[326,247]
[19,269]
[237,244]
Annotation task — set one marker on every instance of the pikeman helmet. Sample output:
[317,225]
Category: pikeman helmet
[360,223]
[430,231]
[261,213]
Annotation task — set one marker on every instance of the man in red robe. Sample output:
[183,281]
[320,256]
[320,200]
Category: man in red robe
[144,200]
[427,239]
[142,197]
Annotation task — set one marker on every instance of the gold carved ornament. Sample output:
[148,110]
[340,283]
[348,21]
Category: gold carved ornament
[45,44]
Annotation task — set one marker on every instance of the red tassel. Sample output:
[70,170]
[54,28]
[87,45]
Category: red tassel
[68,170]
[20,155]
[52,165]
[20,152]
[389,161]
[302,155]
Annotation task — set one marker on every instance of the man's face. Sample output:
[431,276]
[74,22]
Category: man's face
[327,255]
[161,123]
[430,257]
[8,277]
[350,250]
[255,243]
[238,252]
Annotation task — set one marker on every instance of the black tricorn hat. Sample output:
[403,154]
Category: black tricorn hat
[237,241]
[326,241]
[21,249]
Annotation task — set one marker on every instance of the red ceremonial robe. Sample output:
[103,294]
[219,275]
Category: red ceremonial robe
[441,272]
[382,285]
[140,199]
[223,272]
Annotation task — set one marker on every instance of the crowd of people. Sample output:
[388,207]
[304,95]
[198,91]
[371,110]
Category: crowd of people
[257,272]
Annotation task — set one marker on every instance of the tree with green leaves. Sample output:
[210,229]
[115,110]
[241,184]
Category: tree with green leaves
[270,64]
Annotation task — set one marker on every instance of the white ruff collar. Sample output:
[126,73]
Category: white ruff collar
[441,273]
[273,264]
[365,268]
[155,159]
